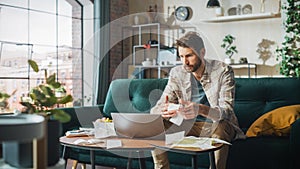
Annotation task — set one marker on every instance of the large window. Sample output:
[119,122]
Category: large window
[47,31]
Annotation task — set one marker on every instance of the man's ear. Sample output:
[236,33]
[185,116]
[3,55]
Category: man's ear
[202,52]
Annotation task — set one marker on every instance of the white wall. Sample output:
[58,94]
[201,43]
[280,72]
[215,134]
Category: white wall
[248,33]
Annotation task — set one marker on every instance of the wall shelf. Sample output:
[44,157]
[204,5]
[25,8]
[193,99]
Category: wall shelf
[244,17]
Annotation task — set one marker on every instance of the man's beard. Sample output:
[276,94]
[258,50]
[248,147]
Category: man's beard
[193,68]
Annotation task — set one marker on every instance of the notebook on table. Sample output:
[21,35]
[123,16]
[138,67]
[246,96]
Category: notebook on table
[139,125]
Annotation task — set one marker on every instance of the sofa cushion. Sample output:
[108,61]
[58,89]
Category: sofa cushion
[133,95]
[256,96]
[276,122]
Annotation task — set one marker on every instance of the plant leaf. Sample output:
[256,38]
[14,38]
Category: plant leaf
[60,115]
[51,79]
[29,107]
[47,90]
[65,99]
[33,65]
[49,101]
[55,85]
[37,95]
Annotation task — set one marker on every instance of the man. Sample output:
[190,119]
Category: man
[204,88]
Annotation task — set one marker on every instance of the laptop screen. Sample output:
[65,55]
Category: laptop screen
[86,116]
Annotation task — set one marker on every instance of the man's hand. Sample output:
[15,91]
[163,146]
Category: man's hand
[188,109]
[166,113]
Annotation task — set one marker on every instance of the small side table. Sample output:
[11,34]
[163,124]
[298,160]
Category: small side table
[26,127]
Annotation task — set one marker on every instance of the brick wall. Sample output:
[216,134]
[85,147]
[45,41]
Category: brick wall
[118,9]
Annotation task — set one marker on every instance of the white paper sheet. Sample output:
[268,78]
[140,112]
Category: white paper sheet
[88,142]
[104,129]
[177,119]
[198,142]
[113,143]
[174,137]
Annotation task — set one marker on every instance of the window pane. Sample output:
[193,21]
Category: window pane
[45,57]
[68,84]
[69,25]
[77,33]
[10,85]
[53,41]
[42,28]
[65,8]
[13,61]
[23,3]
[70,70]
[44,5]
[13,24]
[65,31]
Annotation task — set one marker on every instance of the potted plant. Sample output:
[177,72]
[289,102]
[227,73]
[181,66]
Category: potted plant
[289,52]
[230,49]
[44,99]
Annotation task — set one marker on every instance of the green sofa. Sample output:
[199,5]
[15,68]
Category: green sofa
[254,97]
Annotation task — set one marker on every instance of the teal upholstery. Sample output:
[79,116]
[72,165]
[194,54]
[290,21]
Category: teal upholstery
[132,95]
[254,97]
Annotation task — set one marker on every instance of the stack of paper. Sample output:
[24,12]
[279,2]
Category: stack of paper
[198,142]
[79,133]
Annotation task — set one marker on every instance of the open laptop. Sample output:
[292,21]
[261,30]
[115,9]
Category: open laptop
[139,125]
[87,115]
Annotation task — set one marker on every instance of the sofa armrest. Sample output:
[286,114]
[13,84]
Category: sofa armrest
[295,144]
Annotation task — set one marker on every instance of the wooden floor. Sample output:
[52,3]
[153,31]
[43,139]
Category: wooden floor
[70,162]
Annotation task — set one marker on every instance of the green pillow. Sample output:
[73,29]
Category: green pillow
[275,123]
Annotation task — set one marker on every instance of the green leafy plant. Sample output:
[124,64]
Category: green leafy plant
[44,99]
[289,53]
[227,44]
[3,100]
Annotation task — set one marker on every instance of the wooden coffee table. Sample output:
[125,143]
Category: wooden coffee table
[139,146]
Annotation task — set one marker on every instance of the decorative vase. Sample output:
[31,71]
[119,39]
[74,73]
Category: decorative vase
[229,61]
[262,6]
[219,11]
[19,154]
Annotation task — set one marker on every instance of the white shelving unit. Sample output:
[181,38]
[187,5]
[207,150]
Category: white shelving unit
[140,34]
[158,31]
[143,29]
[158,67]
[244,17]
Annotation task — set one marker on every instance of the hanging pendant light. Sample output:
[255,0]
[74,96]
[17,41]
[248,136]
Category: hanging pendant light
[213,4]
